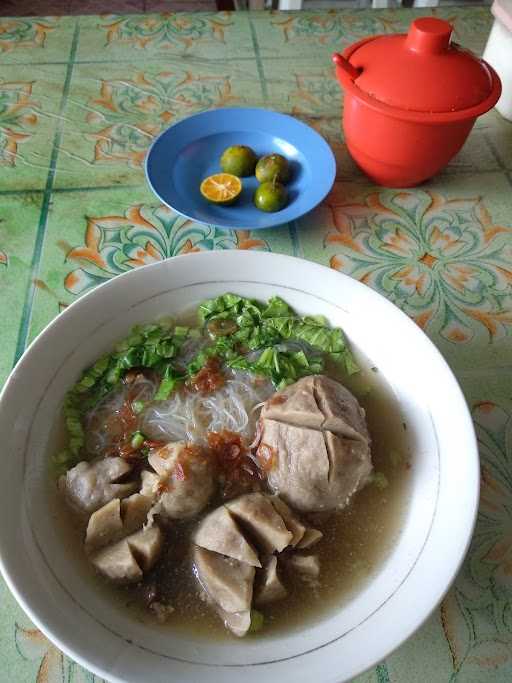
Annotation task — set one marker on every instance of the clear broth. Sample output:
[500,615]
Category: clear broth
[356,541]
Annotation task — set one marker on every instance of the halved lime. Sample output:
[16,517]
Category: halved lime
[221,188]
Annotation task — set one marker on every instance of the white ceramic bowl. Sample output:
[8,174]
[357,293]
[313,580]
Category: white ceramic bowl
[46,576]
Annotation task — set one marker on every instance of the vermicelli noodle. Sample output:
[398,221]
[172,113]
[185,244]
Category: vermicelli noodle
[188,415]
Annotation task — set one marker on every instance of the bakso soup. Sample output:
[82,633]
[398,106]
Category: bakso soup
[243,469]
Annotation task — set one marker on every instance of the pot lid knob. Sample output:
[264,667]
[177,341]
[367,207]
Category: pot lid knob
[429,35]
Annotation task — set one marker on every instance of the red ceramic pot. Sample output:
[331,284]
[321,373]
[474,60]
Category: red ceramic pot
[411,101]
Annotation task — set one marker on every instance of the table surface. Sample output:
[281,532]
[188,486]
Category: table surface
[80,100]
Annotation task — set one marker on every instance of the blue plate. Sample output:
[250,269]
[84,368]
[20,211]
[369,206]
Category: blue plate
[186,153]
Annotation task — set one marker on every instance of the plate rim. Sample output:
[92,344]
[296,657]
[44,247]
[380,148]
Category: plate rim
[271,222]
[229,254]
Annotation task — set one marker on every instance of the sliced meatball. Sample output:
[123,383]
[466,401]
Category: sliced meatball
[349,466]
[318,402]
[271,588]
[105,526]
[227,582]
[237,622]
[307,567]
[293,524]
[315,470]
[220,533]
[295,405]
[342,413]
[257,515]
[150,483]
[310,538]
[134,512]
[115,520]
[317,464]
[301,471]
[116,563]
[125,561]
[146,546]
[89,485]
[186,480]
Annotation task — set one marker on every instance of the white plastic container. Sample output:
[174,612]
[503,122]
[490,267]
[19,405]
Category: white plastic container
[498,52]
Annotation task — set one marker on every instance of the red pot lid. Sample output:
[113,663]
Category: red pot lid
[422,71]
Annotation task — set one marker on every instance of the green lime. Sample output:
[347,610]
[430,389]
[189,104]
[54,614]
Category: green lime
[273,166]
[238,160]
[270,196]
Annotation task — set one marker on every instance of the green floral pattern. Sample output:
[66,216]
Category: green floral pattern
[166,30]
[32,645]
[17,117]
[442,252]
[337,29]
[132,111]
[442,260]
[479,23]
[25,33]
[317,91]
[334,27]
[477,614]
[145,234]
[316,100]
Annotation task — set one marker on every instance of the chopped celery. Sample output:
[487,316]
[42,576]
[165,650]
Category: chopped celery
[138,439]
[257,621]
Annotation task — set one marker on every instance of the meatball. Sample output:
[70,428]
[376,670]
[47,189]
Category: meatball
[90,485]
[314,444]
[185,480]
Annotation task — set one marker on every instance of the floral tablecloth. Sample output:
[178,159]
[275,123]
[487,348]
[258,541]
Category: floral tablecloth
[80,100]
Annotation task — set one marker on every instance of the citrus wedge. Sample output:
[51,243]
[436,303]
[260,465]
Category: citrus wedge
[221,188]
